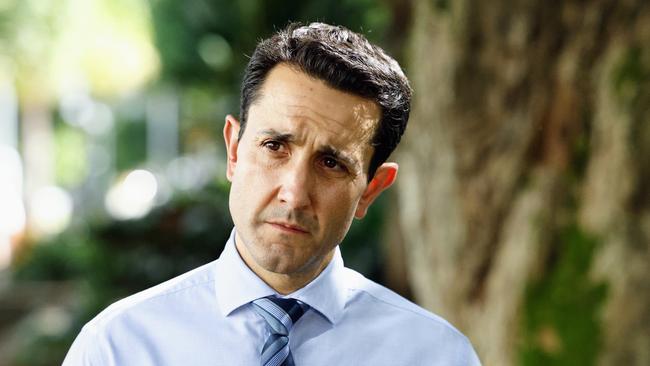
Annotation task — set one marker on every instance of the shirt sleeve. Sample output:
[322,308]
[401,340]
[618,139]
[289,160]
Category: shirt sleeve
[84,350]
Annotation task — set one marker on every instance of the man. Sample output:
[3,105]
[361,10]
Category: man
[321,111]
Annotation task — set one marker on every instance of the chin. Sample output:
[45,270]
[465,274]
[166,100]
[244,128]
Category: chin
[283,259]
[281,265]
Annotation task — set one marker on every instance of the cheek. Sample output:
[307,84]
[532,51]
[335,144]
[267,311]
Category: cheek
[340,204]
[257,163]
[252,166]
[252,181]
[338,223]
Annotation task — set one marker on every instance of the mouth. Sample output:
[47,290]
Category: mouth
[291,228]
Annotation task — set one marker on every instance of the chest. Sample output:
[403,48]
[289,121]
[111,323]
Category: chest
[239,339]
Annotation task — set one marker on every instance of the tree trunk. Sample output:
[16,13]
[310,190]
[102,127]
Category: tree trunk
[524,191]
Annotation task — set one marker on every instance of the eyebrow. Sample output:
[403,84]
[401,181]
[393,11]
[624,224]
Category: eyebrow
[325,150]
[282,137]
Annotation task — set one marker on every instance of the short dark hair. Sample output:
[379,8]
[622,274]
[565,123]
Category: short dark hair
[344,60]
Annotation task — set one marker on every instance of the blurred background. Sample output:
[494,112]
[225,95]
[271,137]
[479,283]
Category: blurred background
[522,209]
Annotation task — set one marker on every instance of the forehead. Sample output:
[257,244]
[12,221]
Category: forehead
[291,99]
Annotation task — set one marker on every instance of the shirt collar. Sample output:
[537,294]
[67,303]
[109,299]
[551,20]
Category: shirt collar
[236,285]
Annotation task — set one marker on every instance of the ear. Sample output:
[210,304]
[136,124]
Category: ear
[231,138]
[384,178]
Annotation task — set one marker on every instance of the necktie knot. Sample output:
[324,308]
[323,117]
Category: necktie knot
[280,314]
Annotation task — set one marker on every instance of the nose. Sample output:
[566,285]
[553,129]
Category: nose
[296,186]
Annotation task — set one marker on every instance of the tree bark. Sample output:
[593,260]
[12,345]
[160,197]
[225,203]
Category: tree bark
[529,139]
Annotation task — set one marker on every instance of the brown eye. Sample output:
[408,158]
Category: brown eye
[272,145]
[330,163]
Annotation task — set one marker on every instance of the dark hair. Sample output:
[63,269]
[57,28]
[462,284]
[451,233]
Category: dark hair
[344,60]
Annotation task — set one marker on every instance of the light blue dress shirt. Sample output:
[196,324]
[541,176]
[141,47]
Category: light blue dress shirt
[204,317]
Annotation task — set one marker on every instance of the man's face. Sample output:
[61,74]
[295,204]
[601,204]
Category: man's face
[299,172]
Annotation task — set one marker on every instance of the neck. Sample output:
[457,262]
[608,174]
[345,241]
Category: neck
[282,283]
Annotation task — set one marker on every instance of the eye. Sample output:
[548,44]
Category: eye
[332,167]
[330,163]
[272,145]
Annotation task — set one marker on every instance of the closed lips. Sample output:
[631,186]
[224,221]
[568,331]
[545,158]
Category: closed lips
[289,226]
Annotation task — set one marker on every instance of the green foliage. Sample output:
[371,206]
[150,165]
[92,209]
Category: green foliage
[442,5]
[182,25]
[627,76]
[131,149]
[49,348]
[631,85]
[70,166]
[561,308]
[64,257]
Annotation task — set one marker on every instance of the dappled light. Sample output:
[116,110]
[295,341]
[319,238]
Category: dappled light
[133,196]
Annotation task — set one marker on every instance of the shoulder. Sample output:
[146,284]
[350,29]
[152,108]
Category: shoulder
[194,280]
[132,318]
[393,314]
[391,302]
[163,298]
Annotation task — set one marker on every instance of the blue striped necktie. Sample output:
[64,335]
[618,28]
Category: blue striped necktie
[281,315]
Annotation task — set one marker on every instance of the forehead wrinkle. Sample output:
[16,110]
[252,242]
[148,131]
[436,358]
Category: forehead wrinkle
[361,115]
[356,110]
[298,111]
